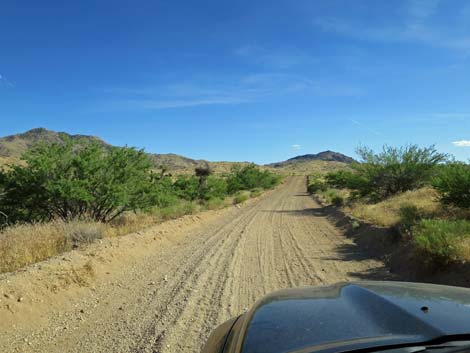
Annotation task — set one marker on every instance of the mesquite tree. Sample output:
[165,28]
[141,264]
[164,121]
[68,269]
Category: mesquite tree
[69,181]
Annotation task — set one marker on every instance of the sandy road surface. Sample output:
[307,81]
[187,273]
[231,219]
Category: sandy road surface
[169,293]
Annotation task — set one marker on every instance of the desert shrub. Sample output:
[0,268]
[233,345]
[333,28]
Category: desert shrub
[163,192]
[355,225]
[69,181]
[250,177]
[453,184]
[240,197]
[316,185]
[190,188]
[187,187]
[214,203]
[437,241]
[340,179]
[387,212]
[77,233]
[177,210]
[256,192]
[215,188]
[394,170]
[332,196]
[346,179]
[337,200]
[409,215]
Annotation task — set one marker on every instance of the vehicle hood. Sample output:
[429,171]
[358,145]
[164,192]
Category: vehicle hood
[350,316]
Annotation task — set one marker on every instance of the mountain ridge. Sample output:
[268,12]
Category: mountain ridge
[326,156]
[13,146]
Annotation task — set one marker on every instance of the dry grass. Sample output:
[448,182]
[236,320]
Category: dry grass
[312,167]
[327,196]
[25,244]
[463,249]
[386,213]
[22,245]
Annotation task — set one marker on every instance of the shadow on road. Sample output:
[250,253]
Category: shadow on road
[385,244]
[365,246]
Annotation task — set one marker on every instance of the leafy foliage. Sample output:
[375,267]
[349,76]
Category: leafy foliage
[67,182]
[187,187]
[409,215]
[438,240]
[391,171]
[453,184]
[215,188]
[347,179]
[316,185]
[240,197]
[70,181]
[250,177]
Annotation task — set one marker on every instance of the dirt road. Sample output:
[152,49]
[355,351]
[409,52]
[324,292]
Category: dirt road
[164,290]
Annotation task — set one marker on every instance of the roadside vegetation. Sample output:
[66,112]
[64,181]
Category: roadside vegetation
[421,192]
[64,195]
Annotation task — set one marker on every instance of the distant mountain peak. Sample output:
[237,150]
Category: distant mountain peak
[327,156]
[12,147]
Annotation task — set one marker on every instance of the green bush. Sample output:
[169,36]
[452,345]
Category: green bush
[316,185]
[215,188]
[240,197]
[437,240]
[69,181]
[256,192]
[355,225]
[250,177]
[177,210]
[393,170]
[214,204]
[453,184]
[409,215]
[337,200]
[187,187]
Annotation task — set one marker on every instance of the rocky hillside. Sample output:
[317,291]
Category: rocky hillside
[12,147]
[326,156]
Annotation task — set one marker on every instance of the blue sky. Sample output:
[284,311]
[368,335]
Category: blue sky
[240,80]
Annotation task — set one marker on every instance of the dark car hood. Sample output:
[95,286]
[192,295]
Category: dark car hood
[350,316]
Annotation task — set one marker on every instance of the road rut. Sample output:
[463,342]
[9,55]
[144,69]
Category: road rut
[172,296]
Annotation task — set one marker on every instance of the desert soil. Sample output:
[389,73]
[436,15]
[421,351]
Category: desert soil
[165,288]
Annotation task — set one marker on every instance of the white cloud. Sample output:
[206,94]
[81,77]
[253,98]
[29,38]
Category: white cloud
[5,82]
[227,90]
[296,147]
[462,143]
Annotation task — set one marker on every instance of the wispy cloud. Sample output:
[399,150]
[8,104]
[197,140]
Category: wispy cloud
[5,82]
[461,143]
[228,90]
[414,26]
[296,147]
[364,126]
[149,104]
[451,116]
[422,9]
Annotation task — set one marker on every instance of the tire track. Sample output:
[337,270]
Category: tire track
[170,300]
